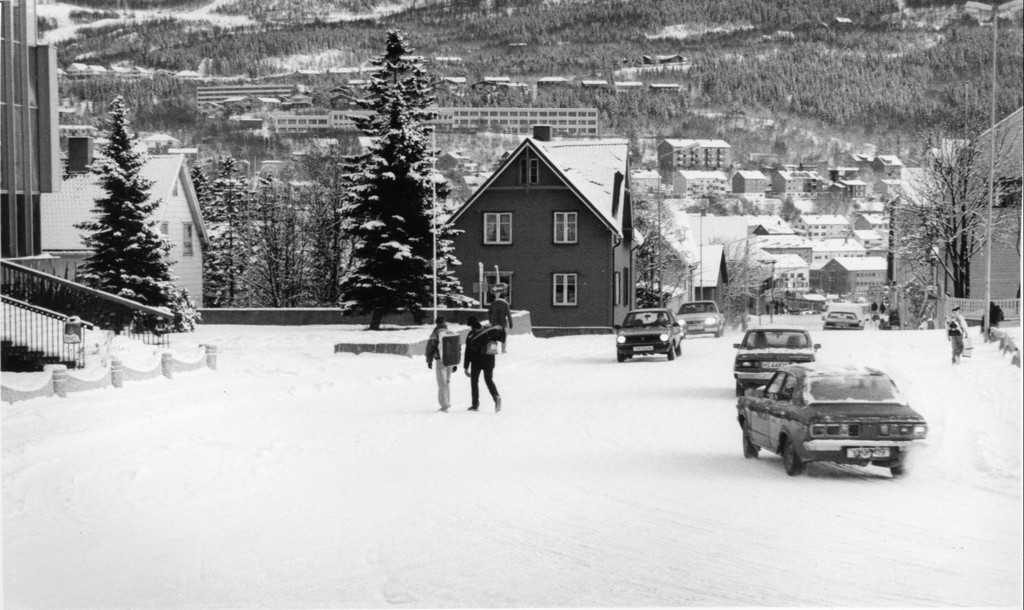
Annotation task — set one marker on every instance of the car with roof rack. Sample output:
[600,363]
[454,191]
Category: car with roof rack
[844,415]
[764,350]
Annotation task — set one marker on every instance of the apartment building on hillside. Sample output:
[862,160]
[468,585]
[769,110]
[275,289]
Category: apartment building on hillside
[698,154]
[574,122]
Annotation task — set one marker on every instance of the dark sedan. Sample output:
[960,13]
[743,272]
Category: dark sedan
[846,415]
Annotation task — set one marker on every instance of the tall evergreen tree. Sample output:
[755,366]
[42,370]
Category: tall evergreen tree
[389,210]
[129,257]
[226,212]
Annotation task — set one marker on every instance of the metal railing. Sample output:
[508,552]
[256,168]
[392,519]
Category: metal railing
[108,311]
[35,329]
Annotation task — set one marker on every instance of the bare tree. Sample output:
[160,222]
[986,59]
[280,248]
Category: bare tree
[942,215]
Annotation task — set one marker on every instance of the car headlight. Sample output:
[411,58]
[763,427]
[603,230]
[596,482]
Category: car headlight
[620,339]
[710,320]
[920,430]
[663,337]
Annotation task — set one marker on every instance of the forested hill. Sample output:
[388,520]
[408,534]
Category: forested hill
[880,67]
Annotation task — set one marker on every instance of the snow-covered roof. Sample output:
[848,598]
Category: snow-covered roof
[703,143]
[824,219]
[552,79]
[890,160]
[852,182]
[629,84]
[861,263]
[784,261]
[781,241]
[61,211]
[703,174]
[750,174]
[587,166]
[865,235]
[836,244]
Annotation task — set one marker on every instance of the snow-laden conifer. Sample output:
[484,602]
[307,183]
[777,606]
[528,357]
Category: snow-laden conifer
[389,210]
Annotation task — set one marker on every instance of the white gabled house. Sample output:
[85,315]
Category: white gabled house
[178,218]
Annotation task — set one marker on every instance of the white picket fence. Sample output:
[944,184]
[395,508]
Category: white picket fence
[974,309]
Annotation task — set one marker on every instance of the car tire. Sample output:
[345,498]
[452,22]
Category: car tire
[620,357]
[671,352]
[791,461]
[739,389]
[750,450]
[897,470]
[720,331]
[679,348]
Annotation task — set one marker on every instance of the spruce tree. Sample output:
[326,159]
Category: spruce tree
[225,211]
[389,209]
[129,257]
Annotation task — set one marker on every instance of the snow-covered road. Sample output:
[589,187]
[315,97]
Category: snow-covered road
[295,478]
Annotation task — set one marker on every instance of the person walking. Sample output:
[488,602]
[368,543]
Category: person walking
[481,346]
[956,333]
[499,313]
[440,358]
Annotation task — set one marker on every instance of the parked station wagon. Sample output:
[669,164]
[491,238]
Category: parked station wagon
[846,415]
[764,350]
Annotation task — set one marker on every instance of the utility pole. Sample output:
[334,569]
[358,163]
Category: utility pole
[657,254]
[433,211]
[986,322]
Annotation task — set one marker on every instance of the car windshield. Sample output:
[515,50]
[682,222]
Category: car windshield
[842,315]
[697,308]
[852,388]
[786,339]
[645,318]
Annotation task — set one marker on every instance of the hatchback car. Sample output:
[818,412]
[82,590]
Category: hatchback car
[648,332]
[702,317]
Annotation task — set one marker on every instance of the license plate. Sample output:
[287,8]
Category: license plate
[773,365]
[643,348]
[867,452]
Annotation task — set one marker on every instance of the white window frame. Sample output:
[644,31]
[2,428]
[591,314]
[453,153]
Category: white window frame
[561,220]
[563,281]
[496,218]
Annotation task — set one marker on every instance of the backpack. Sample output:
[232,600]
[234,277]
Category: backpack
[450,347]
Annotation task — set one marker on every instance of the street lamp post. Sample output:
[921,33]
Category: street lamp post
[433,212]
[996,11]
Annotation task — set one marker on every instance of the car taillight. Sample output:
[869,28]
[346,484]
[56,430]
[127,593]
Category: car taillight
[748,363]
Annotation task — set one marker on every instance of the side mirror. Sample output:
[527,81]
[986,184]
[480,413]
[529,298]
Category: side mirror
[736,345]
[817,346]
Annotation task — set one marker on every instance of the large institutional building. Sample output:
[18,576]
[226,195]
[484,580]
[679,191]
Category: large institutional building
[563,121]
[29,148]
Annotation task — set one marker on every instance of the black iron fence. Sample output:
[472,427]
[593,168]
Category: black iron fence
[34,336]
[104,310]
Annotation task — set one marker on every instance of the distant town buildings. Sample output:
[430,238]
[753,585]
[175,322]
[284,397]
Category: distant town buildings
[220,93]
[563,121]
[706,154]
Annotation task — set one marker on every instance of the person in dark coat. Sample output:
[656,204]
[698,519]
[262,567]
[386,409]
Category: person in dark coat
[499,313]
[477,360]
[995,314]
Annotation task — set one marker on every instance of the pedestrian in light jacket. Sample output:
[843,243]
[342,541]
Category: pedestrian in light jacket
[956,333]
[478,360]
[443,372]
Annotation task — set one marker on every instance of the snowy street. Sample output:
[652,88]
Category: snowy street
[296,478]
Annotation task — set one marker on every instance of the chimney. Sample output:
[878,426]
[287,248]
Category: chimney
[616,188]
[542,133]
[79,154]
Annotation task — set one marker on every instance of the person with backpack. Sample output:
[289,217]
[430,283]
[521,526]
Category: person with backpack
[956,333]
[481,347]
[499,313]
[443,356]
